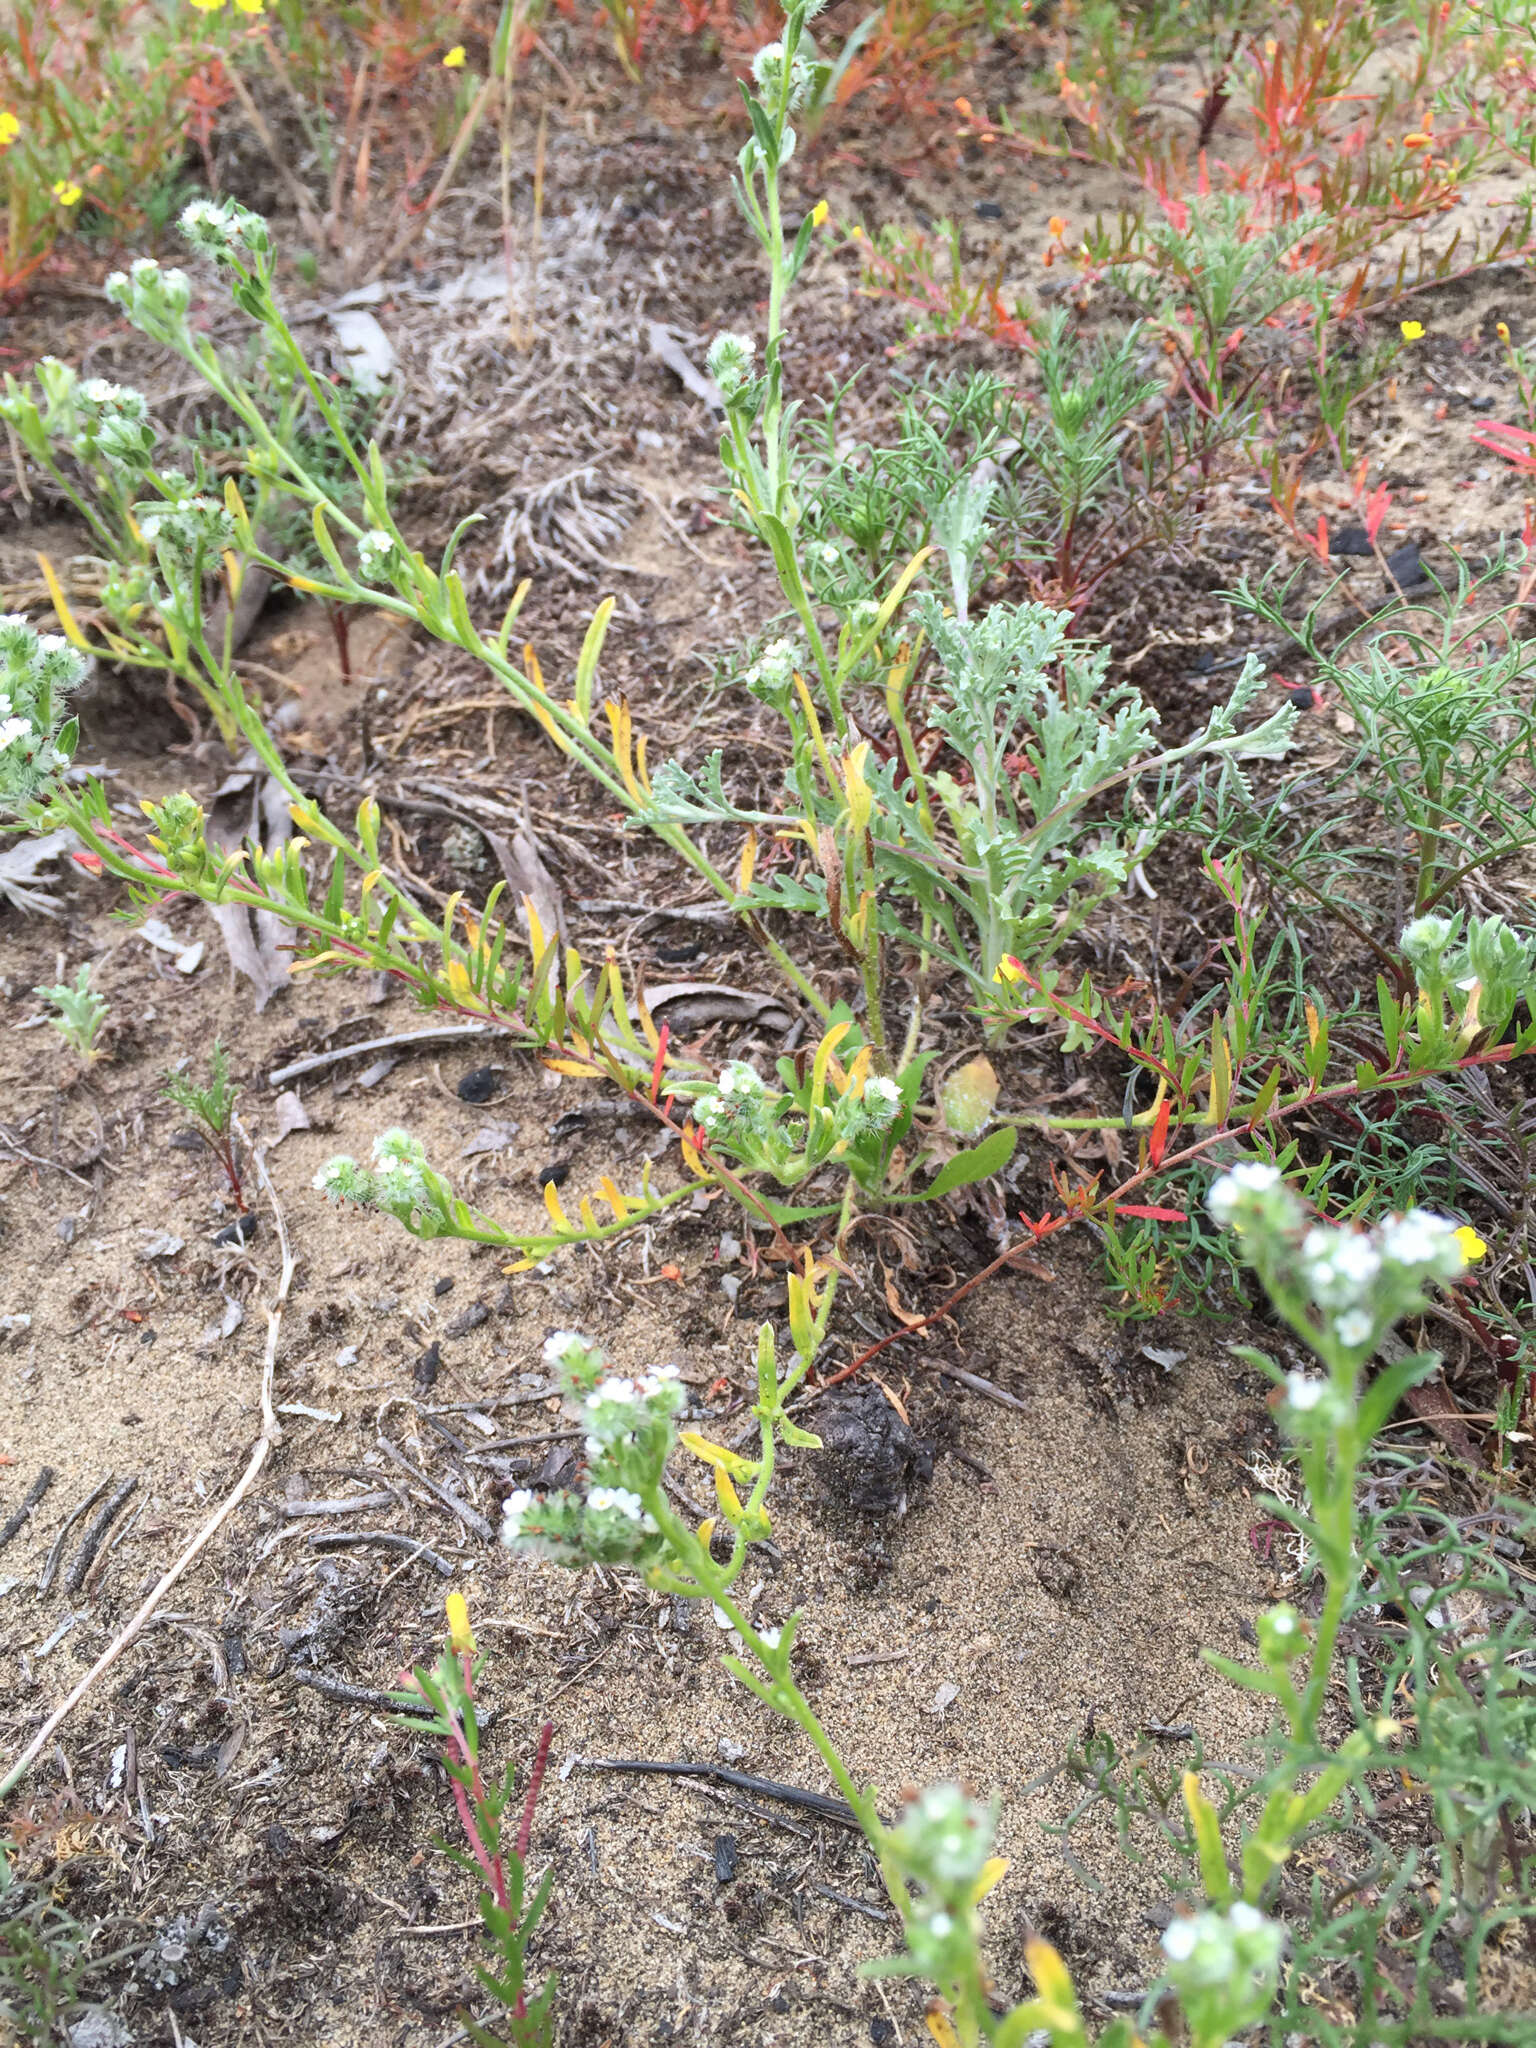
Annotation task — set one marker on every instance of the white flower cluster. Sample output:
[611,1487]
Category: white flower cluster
[629,1437]
[225,231]
[37,672]
[942,1842]
[772,676]
[155,300]
[738,1105]
[399,1182]
[768,75]
[879,1104]
[377,554]
[114,423]
[1250,1185]
[186,530]
[1233,1954]
[730,364]
[616,1409]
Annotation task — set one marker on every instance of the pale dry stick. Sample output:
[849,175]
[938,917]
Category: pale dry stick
[536,239]
[461,142]
[271,1430]
[508,83]
[313,225]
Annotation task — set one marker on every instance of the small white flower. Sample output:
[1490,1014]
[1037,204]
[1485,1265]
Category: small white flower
[1244,1919]
[12,730]
[1179,1938]
[941,1926]
[881,1089]
[1304,1391]
[1281,1623]
[771,1636]
[1248,1177]
[517,1504]
[618,1499]
[611,1389]
[1353,1327]
[563,1345]
[1420,1239]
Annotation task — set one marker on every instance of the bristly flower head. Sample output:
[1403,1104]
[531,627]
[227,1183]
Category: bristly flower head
[629,1424]
[227,232]
[1349,1285]
[730,364]
[768,75]
[37,673]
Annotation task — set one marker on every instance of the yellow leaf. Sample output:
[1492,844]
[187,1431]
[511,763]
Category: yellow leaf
[717,1455]
[1053,1980]
[617,1202]
[942,2029]
[557,1215]
[536,938]
[579,1068]
[993,1871]
[460,987]
[861,800]
[728,1497]
[65,616]
[748,862]
[693,1162]
[824,1053]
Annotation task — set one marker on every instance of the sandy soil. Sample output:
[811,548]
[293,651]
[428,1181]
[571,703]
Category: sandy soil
[1079,1541]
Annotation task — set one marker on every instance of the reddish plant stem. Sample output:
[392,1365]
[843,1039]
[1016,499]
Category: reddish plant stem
[535,1785]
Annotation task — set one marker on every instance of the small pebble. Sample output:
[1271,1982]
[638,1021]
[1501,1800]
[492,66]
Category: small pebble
[554,1175]
[241,1231]
[478,1085]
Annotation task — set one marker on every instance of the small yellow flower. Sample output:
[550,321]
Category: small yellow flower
[818,213]
[1008,970]
[1470,1245]
[454,61]
[1412,330]
[460,1635]
[67,192]
[252,6]
[10,128]
[208,6]
[1503,333]
[1056,226]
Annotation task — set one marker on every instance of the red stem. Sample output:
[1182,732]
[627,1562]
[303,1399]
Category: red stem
[535,1784]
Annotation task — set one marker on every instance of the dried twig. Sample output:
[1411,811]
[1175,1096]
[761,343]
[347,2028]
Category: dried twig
[821,1803]
[438,1034]
[350,1504]
[40,1486]
[56,1548]
[470,1517]
[387,1539]
[354,1695]
[271,1430]
[85,1557]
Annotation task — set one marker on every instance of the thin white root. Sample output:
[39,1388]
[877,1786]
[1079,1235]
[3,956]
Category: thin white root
[271,1430]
